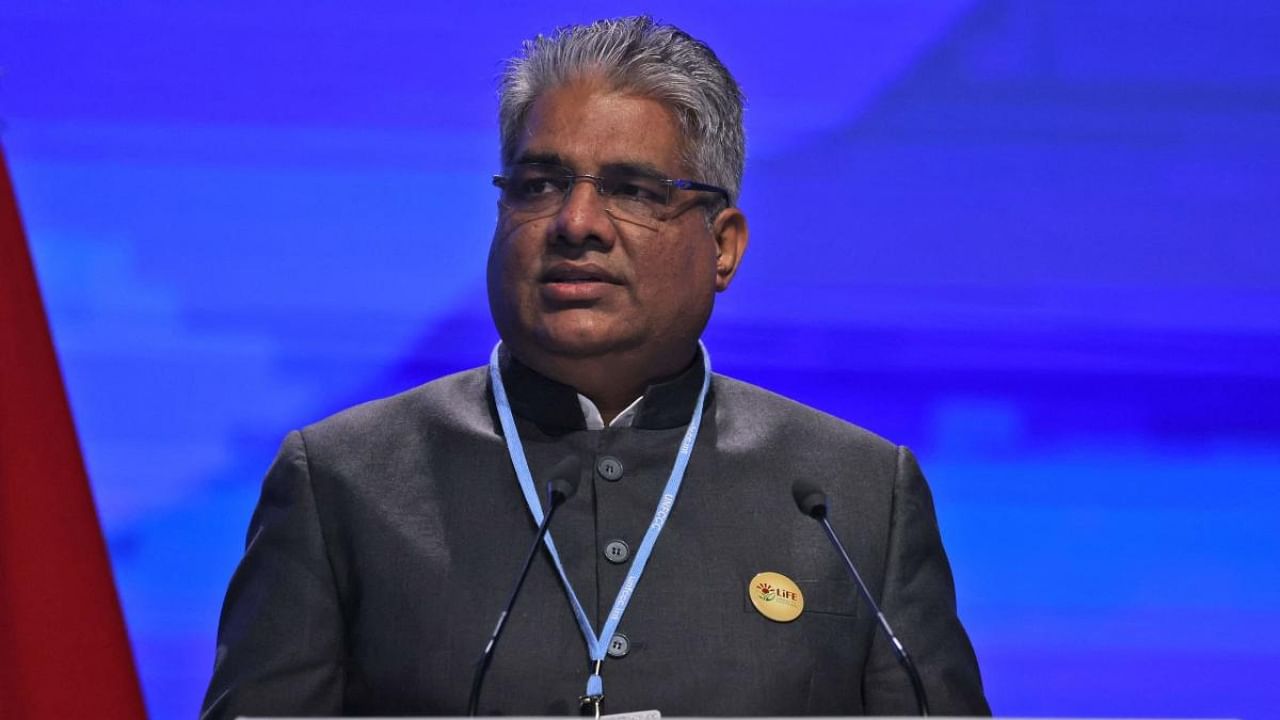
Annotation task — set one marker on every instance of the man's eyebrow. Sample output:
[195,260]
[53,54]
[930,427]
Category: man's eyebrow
[635,168]
[545,158]
[628,167]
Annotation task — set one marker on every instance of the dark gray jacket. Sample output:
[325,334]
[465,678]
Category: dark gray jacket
[388,536]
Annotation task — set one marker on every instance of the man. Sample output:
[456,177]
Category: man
[388,536]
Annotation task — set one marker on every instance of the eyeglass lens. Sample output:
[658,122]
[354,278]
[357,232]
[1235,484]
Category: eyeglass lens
[540,188]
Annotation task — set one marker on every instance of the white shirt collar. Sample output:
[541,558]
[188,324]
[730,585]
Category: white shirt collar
[596,422]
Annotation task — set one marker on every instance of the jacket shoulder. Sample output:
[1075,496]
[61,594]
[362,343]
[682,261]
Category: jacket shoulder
[453,403]
[751,414]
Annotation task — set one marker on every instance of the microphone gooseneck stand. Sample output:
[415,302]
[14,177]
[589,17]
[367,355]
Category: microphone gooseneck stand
[813,502]
[563,485]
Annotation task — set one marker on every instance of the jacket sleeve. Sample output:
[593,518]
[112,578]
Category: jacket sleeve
[919,601]
[280,637]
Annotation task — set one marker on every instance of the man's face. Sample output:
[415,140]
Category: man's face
[581,282]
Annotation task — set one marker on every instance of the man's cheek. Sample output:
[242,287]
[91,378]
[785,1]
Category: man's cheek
[508,224]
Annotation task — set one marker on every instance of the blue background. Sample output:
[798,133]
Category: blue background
[1034,241]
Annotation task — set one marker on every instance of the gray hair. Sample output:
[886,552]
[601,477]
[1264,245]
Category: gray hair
[637,55]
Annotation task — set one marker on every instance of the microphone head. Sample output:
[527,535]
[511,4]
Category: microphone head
[810,499]
[564,479]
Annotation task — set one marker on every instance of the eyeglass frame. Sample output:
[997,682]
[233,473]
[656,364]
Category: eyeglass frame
[500,181]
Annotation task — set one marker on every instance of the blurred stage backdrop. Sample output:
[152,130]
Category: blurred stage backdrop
[1035,241]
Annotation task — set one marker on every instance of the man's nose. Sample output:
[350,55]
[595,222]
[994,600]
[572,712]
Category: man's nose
[583,216]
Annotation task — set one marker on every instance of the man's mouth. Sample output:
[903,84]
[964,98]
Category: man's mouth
[579,274]
[577,284]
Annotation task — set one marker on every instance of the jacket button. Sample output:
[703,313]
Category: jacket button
[617,552]
[609,467]
[619,646]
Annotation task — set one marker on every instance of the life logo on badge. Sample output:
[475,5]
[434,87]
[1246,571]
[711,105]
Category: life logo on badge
[776,596]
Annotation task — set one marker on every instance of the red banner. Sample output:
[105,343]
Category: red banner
[64,652]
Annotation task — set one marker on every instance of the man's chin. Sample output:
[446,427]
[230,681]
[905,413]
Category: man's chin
[581,347]
[584,342]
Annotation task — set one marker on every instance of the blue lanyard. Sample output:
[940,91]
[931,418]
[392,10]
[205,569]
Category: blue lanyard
[598,645]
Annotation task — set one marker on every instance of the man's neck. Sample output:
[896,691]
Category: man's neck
[611,382]
[595,421]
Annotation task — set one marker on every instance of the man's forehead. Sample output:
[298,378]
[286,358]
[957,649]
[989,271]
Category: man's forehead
[618,165]
[589,128]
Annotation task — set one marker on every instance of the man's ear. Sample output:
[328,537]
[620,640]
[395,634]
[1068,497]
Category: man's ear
[729,229]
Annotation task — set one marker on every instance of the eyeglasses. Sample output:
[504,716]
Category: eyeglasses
[532,188]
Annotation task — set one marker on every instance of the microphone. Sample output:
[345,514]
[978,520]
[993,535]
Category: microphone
[561,487]
[813,502]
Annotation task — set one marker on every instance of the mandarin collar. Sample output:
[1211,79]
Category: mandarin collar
[666,404]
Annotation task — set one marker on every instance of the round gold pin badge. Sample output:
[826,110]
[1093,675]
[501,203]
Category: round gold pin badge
[776,596]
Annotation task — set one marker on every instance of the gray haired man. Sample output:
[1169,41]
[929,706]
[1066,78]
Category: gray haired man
[682,577]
